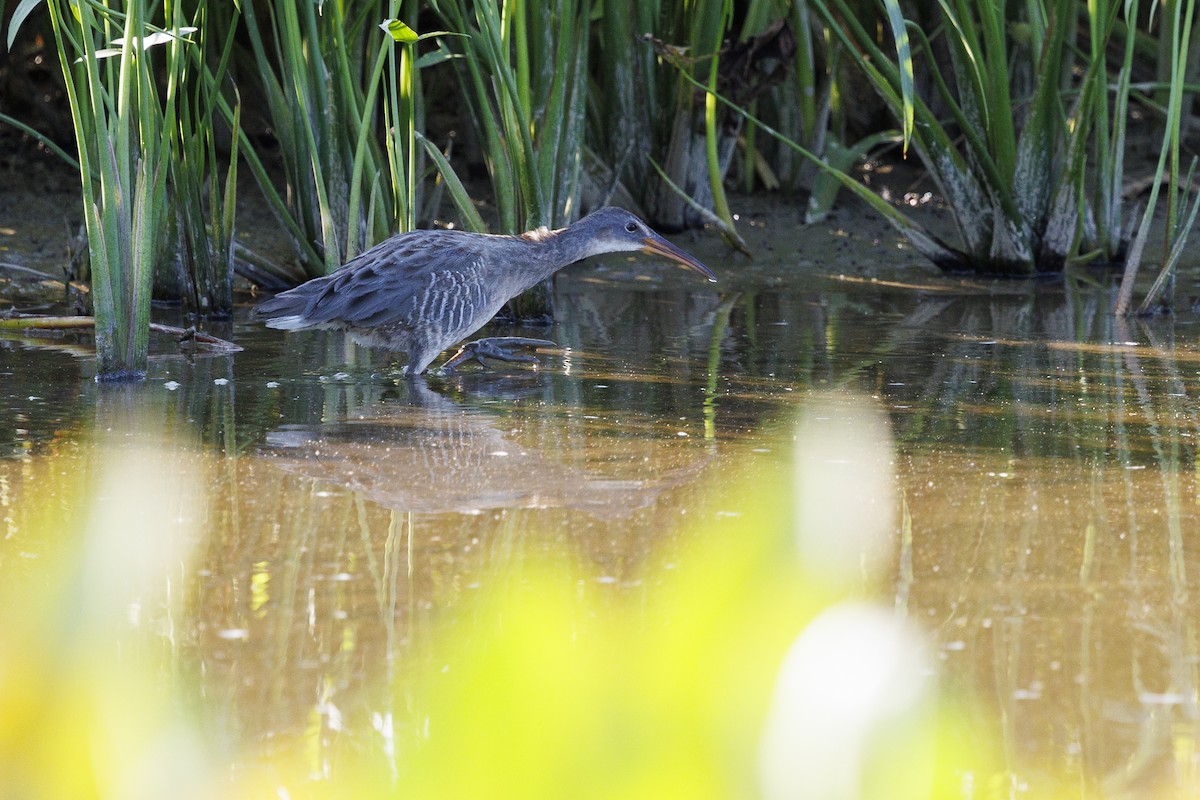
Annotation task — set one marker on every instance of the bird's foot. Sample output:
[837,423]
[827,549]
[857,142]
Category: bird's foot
[499,348]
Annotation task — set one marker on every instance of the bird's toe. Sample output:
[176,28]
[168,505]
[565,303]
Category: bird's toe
[497,348]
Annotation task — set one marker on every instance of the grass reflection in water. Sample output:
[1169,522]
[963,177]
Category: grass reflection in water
[625,610]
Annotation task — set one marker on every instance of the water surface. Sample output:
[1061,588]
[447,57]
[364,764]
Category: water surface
[1045,459]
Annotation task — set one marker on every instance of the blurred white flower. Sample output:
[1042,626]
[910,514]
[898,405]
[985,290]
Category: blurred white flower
[853,691]
[845,495]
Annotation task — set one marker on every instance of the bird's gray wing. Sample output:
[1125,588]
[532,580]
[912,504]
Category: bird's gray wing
[383,286]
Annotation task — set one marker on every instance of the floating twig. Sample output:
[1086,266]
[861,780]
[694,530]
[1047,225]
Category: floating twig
[17,322]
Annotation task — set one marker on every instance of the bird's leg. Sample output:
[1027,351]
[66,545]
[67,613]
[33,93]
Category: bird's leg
[499,348]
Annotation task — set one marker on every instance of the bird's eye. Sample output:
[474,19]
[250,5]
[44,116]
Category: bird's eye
[631,227]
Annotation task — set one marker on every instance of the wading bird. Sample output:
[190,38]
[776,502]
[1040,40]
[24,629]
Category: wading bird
[421,292]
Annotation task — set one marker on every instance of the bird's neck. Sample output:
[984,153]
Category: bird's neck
[541,253]
[547,251]
[568,245]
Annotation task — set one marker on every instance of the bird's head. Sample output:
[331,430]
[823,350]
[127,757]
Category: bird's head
[614,230]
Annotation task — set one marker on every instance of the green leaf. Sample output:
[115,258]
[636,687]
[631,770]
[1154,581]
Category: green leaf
[23,10]
[399,31]
[435,34]
[842,158]
[458,192]
[905,62]
[433,58]
[42,138]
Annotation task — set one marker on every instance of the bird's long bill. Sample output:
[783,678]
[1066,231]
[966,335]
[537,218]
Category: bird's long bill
[660,246]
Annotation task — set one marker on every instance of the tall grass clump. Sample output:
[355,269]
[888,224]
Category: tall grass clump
[1029,150]
[801,106]
[665,144]
[123,129]
[523,70]
[819,107]
[1182,202]
[700,145]
[662,137]
[1006,103]
[333,83]
[202,202]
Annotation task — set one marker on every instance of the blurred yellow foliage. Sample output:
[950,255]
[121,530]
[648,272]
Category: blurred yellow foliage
[703,681]
[87,709]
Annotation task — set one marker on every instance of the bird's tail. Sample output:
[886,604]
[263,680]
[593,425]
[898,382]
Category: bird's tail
[292,322]
[290,310]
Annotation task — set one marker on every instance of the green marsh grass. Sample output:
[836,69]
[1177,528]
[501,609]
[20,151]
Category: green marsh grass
[123,131]
[716,165]
[1029,162]
[333,82]
[1182,200]
[1024,128]
[662,128]
[523,72]
[159,217]
[203,204]
[667,143]
[995,209]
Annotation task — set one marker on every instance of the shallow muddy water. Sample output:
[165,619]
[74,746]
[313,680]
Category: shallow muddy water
[1045,460]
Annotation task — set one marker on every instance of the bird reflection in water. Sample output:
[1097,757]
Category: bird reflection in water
[425,453]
